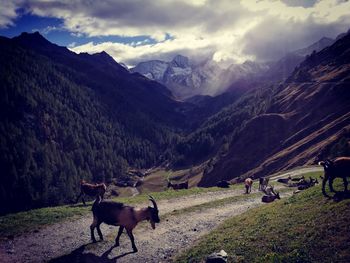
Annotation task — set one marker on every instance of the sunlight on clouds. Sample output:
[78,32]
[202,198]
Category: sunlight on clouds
[7,13]
[223,29]
[324,11]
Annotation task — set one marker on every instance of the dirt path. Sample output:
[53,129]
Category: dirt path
[175,233]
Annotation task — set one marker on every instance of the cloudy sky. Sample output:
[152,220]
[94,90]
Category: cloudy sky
[139,30]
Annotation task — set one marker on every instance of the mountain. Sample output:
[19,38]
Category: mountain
[186,79]
[282,68]
[67,116]
[181,77]
[304,119]
[317,46]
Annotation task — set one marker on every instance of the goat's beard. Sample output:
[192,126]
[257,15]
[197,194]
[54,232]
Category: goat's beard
[153,225]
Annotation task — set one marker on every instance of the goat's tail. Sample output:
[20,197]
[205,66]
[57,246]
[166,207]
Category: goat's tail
[97,202]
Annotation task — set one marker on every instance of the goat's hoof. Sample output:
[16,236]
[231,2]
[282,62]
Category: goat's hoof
[94,241]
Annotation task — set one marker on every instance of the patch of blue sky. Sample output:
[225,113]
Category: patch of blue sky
[54,31]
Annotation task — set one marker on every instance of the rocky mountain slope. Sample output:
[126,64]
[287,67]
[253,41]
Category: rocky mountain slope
[182,77]
[306,114]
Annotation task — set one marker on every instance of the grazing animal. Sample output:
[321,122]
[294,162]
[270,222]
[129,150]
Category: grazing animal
[223,184]
[91,190]
[304,184]
[271,198]
[263,182]
[297,179]
[248,185]
[284,180]
[339,167]
[118,214]
[183,185]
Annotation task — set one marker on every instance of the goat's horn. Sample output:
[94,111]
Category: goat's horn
[153,202]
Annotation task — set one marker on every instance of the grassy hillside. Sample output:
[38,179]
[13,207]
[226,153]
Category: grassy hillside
[303,228]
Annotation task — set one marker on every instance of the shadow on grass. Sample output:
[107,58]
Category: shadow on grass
[340,196]
[78,256]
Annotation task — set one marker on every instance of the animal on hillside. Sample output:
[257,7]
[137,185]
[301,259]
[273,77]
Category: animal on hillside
[284,180]
[178,186]
[268,190]
[263,182]
[248,185]
[297,179]
[270,198]
[339,167]
[118,214]
[304,184]
[91,190]
[223,184]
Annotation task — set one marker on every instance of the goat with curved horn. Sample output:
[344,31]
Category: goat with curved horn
[153,202]
[126,217]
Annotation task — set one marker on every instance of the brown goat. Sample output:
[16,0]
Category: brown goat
[178,186]
[91,190]
[248,185]
[118,214]
[339,167]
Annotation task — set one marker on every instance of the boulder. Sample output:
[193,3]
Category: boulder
[217,257]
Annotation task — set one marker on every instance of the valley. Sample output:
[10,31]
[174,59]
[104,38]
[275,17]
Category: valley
[118,120]
[196,126]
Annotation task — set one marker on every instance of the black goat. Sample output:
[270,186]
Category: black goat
[339,167]
[223,184]
[178,186]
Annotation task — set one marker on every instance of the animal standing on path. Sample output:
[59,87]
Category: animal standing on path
[91,190]
[263,183]
[248,185]
[118,214]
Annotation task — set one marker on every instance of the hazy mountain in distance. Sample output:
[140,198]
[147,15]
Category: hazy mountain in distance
[186,79]
[182,77]
[281,69]
[294,123]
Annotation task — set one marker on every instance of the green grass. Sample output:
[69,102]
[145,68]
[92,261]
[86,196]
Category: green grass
[306,227]
[18,223]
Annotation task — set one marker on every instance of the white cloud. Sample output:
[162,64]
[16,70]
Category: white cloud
[8,12]
[227,30]
[72,45]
